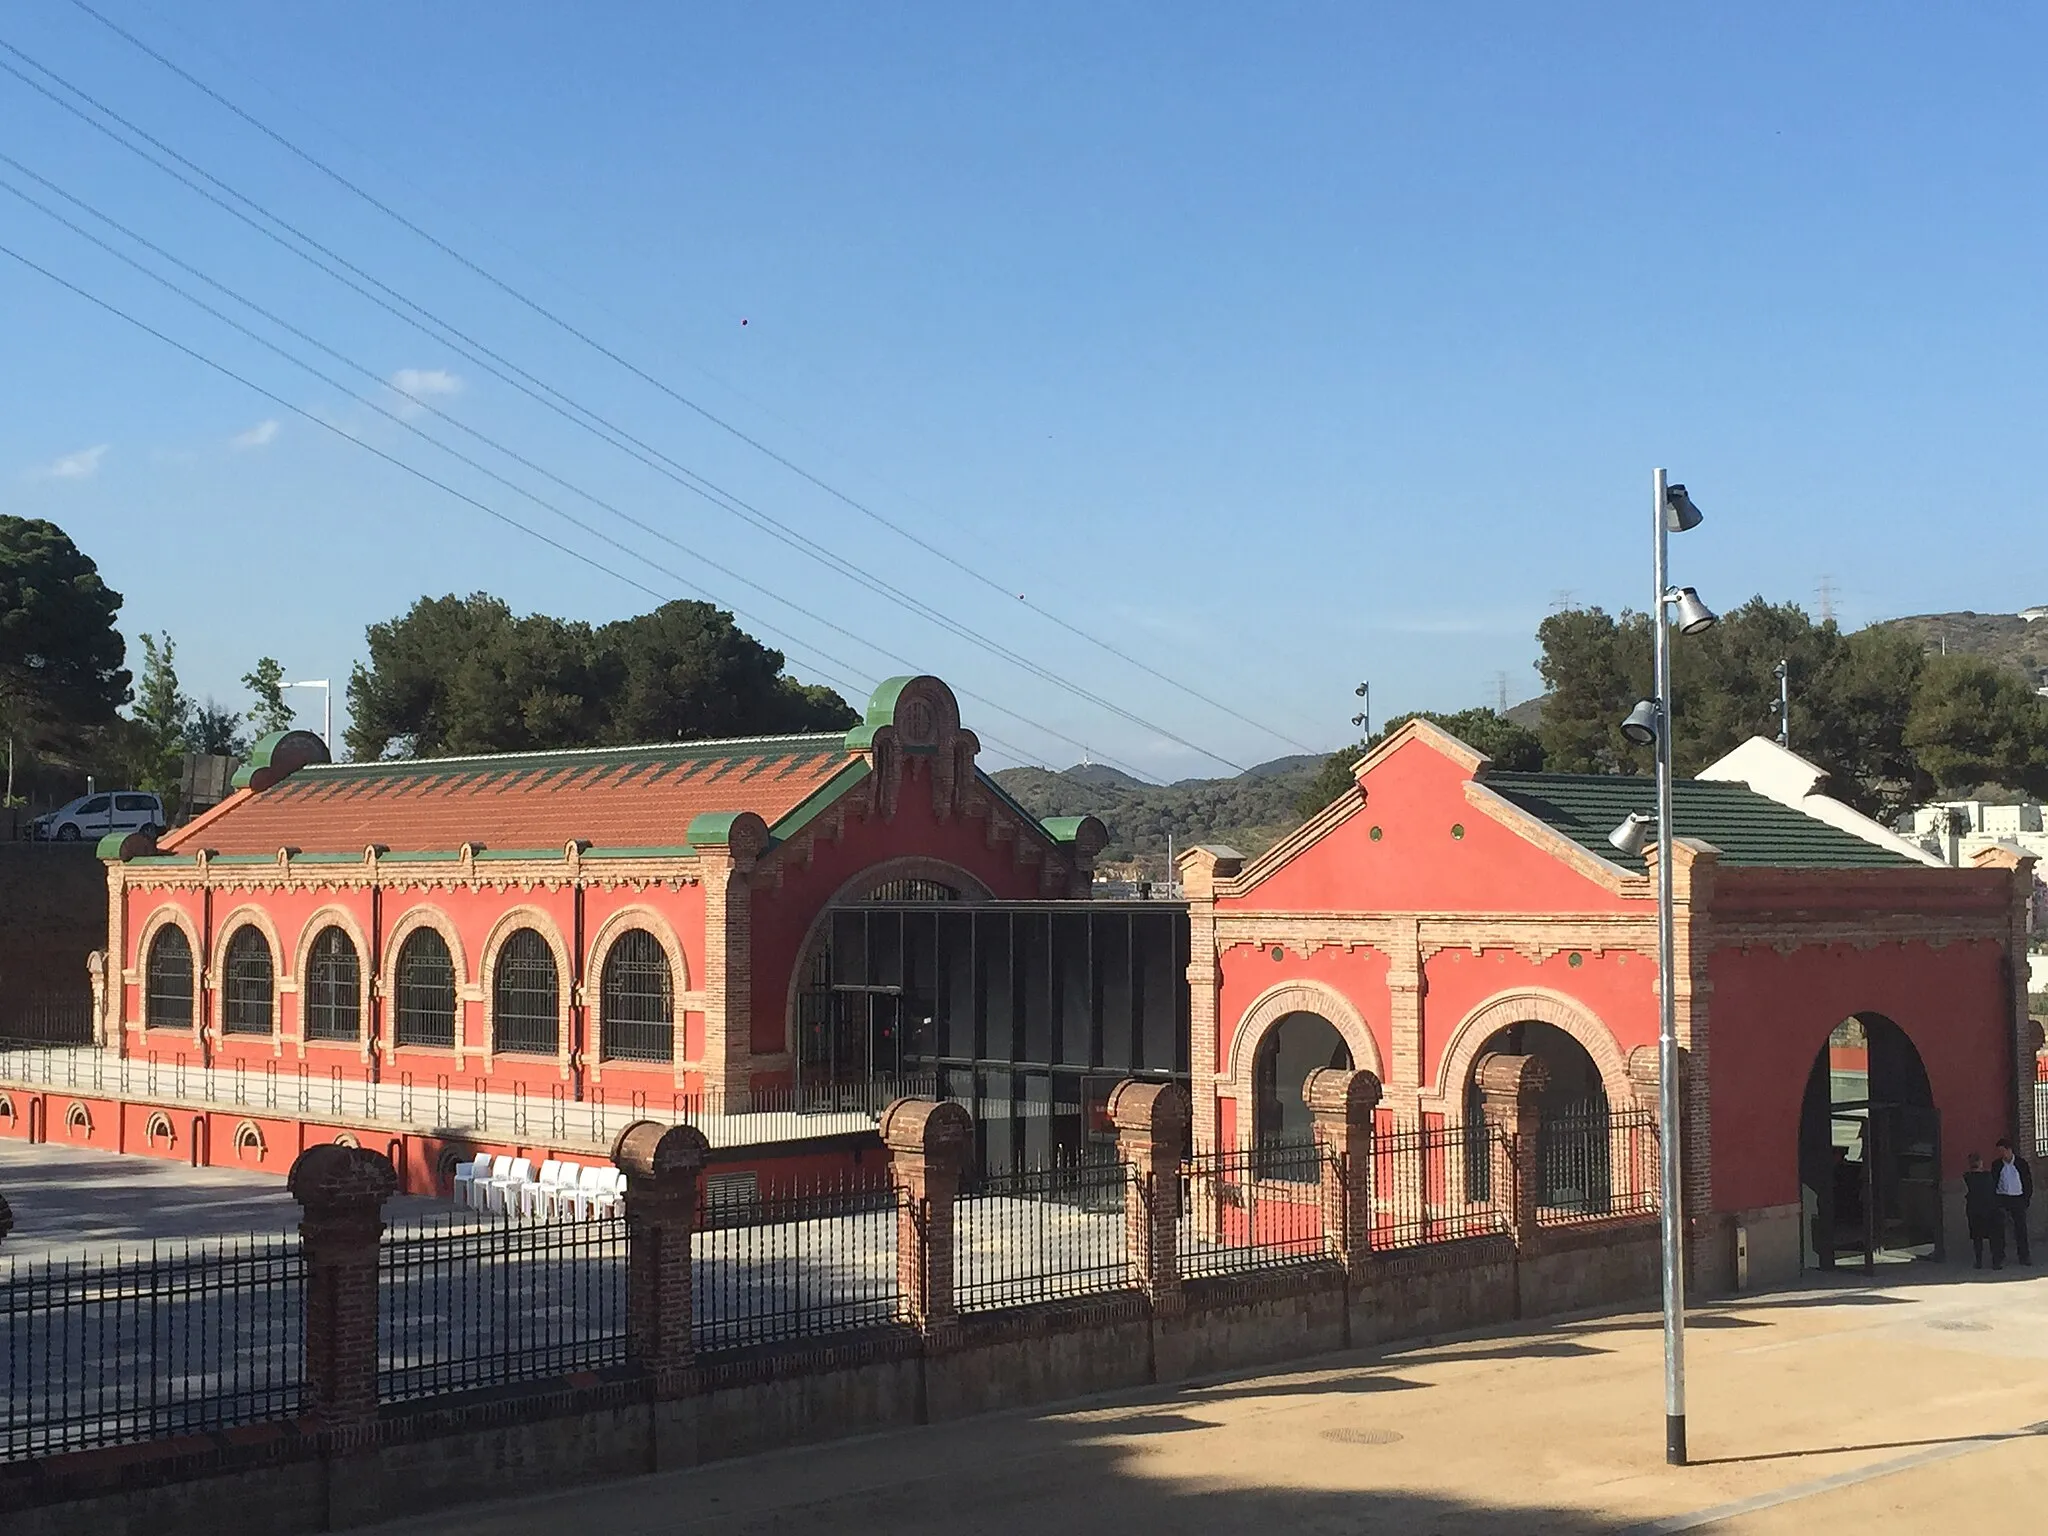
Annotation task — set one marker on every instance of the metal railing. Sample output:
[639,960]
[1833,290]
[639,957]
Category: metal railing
[1043,1234]
[49,1018]
[816,1260]
[1439,1183]
[479,1303]
[1252,1210]
[101,1349]
[1595,1166]
[2041,1119]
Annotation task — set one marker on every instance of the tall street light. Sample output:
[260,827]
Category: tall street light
[1649,722]
[326,707]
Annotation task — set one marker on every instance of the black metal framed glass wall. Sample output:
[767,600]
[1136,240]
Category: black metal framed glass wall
[1028,1013]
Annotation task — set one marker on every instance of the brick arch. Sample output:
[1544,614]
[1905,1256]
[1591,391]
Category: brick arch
[1526,1005]
[248,915]
[319,922]
[973,891]
[169,914]
[77,1117]
[510,922]
[626,920]
[422,915]
[247,1135]
[1275,1004]
[7,1115]
[159,1124]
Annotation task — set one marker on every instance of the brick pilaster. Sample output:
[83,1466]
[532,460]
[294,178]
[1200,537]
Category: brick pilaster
[727,845]
[341,1191]
[1509,1090]
[1199,868]
[928,1145]
[1151,1139]
[1343,1103]
[1404,1005]
[663,1165]
[2024,1043]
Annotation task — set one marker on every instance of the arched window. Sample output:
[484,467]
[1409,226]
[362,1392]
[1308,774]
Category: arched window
[167,988]
[426,990]
[334,987]
[1282,1128]
[246,995]
[637,1000]
[526,996]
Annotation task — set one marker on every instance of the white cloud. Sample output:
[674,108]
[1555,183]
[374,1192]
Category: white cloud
[422,384]
[82,465]
[262,435]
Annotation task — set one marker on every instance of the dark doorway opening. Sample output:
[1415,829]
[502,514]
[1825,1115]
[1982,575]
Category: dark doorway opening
[1283,1131]
[1869,1151]
[1574,1152]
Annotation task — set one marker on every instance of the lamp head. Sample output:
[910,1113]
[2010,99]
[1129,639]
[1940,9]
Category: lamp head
[1680,515]
[1633,832]
[1690,614]
[1362,689]
[1643,723]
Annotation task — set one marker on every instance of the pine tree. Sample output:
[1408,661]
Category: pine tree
[163,713]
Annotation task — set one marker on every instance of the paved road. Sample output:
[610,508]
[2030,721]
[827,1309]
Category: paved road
[1914,1407]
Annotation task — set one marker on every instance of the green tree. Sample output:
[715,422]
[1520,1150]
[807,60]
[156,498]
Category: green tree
[216,731]
[61,673]
[163,718]
[1973,723]
[266,682]
[1512,748]
[464,674]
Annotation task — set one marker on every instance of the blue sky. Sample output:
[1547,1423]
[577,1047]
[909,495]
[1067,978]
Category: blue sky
[1280,346]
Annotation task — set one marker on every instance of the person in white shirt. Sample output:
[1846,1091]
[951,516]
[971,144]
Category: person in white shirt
[2015,1192]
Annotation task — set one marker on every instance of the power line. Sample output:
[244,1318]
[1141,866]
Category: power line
[570,328]
[542,393]
[455,453]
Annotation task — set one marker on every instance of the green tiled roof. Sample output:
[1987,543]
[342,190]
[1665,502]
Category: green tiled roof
[1747,827]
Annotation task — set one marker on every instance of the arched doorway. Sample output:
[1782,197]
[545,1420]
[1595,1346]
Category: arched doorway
[1573,1146]
[1869,1150]
[1282,1129]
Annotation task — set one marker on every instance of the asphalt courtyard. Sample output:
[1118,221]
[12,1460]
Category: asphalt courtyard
[1914,1405]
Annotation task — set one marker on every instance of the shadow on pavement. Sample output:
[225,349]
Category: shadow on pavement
[2030,1432]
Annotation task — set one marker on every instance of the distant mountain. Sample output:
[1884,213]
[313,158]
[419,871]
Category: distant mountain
[1249,812]
[2005,638]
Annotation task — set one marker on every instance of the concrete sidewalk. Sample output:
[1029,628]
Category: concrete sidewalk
[1922,1403]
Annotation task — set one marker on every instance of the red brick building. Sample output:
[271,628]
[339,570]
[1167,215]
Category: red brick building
[649,923]
[1445,910]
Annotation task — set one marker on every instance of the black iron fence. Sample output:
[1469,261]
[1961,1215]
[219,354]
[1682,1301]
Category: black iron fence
[816,1260]
[100,1349]
[477,1304]
[1252,1210]
[1593,1166]
[1042,1234]
[1439,1183]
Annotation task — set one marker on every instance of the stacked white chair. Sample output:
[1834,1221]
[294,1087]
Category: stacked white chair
[466,1176]
[504,1195]
[544,1199]
[476,1192]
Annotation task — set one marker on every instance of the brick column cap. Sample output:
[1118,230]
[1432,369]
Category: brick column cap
[1511,1080]
[648,1149]
[1158,1110]
[935,1128]
[1344,1092]
[331,1178]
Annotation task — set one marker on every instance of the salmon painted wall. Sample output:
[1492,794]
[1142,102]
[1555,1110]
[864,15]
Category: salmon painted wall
[1415,797]
[1618,988]
[1360,975]
[1771,1017]
[785,908]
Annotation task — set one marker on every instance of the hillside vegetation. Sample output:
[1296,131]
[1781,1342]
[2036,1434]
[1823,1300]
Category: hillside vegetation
[1249,812]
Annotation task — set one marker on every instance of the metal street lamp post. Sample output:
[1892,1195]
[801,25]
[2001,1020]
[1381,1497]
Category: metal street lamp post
[1650,723]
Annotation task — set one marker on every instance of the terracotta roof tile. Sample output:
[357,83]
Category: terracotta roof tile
[612,797]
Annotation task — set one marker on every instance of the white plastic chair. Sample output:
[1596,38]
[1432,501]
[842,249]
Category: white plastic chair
[504,1195]
[611,1192]
[465,1180]
[579,1198]
[474,1191]
[538,1199]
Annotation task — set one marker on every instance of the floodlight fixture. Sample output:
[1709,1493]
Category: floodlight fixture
[1680,515]
[1643,723]
[1633,832]
[1690,614]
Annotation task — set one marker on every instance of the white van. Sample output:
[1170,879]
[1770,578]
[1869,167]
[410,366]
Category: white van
[92,817]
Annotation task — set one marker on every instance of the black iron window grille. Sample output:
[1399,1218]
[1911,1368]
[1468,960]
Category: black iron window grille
[426,990]
[636,1000]
[526,996]
[334,987]
[167,989]
[246,999]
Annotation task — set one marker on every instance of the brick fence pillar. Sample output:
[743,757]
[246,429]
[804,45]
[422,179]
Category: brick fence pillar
[341,1191]
[1343,1103]
[1509,1088]
[929,1144]
[1151,1122]
[663,1165]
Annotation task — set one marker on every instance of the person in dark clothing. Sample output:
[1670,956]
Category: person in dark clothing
[1980,1207]
[2015,1193]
